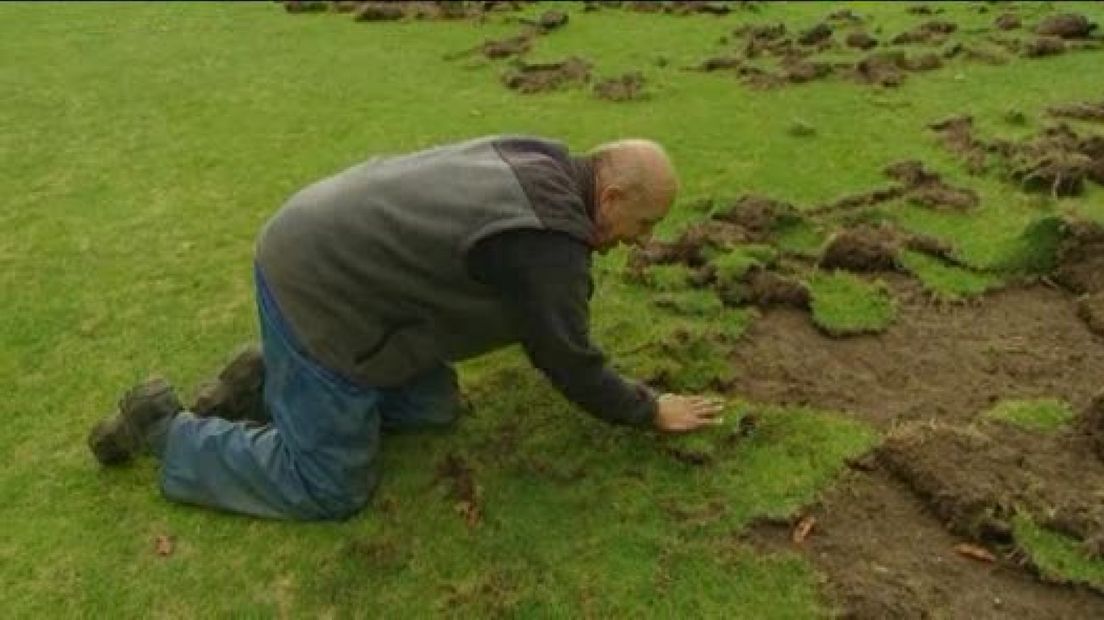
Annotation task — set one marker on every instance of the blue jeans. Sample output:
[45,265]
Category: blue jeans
[317,457]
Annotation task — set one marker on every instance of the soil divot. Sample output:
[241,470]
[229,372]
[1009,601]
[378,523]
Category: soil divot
[541,77]
[1081,258]
[763,288]
[1007,21]
[1066,26]
[1091,425]
[861,40]
[863,248]
[886,557]
[934,32]
[946,364]
[627,87]
[928,189]
[1043,47]
[976,479]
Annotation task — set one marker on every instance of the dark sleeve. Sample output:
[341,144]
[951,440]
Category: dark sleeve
[545,278]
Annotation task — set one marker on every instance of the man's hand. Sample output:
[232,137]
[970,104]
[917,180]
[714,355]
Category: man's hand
[679,414]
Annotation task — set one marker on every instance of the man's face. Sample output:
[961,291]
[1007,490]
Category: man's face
[624,220]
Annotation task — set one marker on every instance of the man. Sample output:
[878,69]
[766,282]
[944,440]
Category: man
[370,283]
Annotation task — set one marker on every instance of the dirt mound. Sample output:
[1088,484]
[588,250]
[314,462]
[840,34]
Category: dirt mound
[863,248]
[949,365]
[627,87]
[923,9]
[1066,25]
[763,288]
[1044,46]
[928,189]
[933,32]
[885,557]
[1007,21]
[888,68]
[759,216]
[861,40]
[1085,111]
[816,35]
[541,77]
[977,479]
[1081,258]
[1091,311]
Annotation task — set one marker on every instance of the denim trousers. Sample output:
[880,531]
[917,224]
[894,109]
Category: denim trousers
[317,457]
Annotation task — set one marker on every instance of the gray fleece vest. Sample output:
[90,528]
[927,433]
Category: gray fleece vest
[369,266]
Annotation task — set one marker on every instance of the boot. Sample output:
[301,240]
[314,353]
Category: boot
[139,426]
[238,392]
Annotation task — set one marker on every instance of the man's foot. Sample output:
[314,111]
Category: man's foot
[143,413]
[238,392]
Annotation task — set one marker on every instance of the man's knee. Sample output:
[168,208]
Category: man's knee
[339,499]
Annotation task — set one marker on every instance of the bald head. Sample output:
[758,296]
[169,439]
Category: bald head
[640,167]
[635,186]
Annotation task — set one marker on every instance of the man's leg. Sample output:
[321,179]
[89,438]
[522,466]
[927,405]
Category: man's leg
[316,460]
[430,401]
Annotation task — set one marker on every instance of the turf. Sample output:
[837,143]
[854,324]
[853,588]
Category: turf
[144,144]
[1044,414]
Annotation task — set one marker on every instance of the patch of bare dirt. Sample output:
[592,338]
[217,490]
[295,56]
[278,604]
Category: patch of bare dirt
[870,248]
[541,77]
[1091,310]
[885,556]
[977,478]
[1066,26]
[627,87]
[948,364]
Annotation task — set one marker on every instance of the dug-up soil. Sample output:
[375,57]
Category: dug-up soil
[922,527]
[887,556]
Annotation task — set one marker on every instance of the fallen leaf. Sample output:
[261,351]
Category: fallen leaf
[803,529]
[163,545]
[975,552]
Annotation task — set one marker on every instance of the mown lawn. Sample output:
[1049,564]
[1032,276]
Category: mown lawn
[143,144]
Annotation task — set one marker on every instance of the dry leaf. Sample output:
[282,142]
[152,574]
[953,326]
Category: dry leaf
[803,528]
[163,545]
[975,552]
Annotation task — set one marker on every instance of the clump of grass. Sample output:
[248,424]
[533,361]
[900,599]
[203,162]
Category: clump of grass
[1057,556]
[691,302]
[845,304]
[800,237]
[1046,415]
[731,266]
[947,282]
[667,278]
[1035,251]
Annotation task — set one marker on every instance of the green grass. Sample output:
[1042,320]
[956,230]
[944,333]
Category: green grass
[1048,415]
[144,144]
[1057,556]
[947,282]
[845,304]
